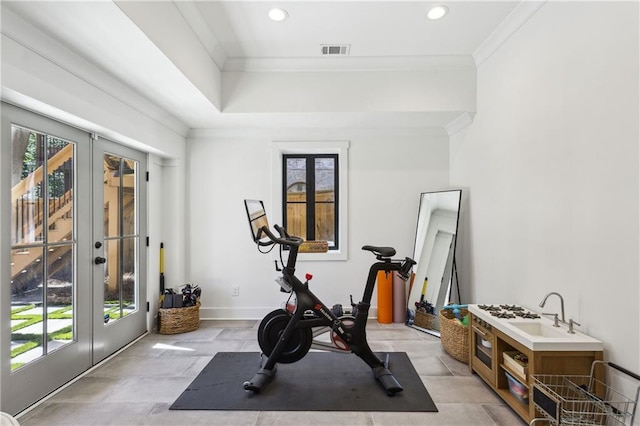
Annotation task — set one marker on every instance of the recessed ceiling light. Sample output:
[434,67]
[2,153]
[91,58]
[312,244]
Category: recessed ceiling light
[277,14]
[437,12]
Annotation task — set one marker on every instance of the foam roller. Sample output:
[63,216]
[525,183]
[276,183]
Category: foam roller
[399,299]
[385,297]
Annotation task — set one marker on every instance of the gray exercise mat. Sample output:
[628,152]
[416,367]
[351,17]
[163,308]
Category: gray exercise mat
[321,381]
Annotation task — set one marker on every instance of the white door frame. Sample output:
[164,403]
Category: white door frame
[93,340]
[43,375]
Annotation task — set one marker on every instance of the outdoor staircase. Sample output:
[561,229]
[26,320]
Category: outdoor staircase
[29,216]
[24,258]
[29,213]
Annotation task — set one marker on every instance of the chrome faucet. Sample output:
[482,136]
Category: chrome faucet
[571,324]
[561,304]
[555,318]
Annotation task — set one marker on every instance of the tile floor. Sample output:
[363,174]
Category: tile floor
[137,386]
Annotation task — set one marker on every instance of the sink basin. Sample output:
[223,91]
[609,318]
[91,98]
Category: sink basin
[542,335]
[538,334]
[541,330]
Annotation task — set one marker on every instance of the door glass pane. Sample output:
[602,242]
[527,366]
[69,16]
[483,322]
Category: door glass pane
[27,299]
[43,246]
[121,238]
[128,275]
[60,296]
[128,197]
[111,281]
[60,189]
[26,186]
[111,195]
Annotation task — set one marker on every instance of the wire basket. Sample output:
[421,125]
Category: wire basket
[453,335]
[424,320]
[583,400]
[179,320]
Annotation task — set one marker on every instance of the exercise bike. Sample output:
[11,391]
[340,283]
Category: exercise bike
[286,335]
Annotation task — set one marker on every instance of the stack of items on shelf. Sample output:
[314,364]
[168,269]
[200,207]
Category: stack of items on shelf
[516,364]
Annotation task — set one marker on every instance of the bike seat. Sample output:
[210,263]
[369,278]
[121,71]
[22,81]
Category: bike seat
[381,251]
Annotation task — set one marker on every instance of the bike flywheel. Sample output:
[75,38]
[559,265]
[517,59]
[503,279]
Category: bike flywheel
[270,331]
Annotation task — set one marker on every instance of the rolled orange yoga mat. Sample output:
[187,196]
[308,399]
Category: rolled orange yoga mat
[385,297]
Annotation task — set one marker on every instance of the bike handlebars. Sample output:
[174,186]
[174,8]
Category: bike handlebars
[288,240]
[285,239]
[406,268]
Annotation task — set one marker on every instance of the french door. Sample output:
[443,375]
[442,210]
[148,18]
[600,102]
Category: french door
[62,309]
[119,254]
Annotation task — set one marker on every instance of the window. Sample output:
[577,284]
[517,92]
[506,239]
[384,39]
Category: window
[310,204]
[288,192]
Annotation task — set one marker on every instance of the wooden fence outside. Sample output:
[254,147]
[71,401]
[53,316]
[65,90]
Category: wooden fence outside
[325,215]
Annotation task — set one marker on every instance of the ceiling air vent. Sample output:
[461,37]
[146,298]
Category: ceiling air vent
[335,49]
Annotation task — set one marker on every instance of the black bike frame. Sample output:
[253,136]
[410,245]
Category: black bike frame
[350,329]
[353,335]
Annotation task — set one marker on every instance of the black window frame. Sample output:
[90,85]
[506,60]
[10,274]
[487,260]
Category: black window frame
[311,201]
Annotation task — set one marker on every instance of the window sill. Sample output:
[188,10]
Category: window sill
[328,256]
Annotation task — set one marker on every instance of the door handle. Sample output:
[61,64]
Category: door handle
[99,260]
[476,329]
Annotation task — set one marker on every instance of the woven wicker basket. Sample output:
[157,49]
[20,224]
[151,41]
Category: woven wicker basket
[454,336]
[424,320]
[179,320]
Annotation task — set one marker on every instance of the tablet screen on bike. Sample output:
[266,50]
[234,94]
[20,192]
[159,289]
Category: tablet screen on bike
[257,218]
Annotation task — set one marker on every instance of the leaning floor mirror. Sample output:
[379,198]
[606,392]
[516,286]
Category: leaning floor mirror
[434,252]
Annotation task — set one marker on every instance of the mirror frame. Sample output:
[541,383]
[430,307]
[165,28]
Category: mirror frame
[443,294]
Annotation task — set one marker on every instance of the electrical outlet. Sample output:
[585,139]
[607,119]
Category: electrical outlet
[235,290]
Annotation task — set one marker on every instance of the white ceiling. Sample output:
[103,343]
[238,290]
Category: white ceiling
[372,28]
[237,35]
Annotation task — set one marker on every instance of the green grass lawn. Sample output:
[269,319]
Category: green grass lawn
[34,340]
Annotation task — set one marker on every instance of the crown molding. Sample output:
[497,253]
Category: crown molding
[463,121]
[192,16]
[304,133]
[512,23]
[352,63]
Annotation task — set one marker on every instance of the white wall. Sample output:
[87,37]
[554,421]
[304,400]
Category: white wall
[387,172]
[436,89]
[167,225]
[69,89]
[551,163]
